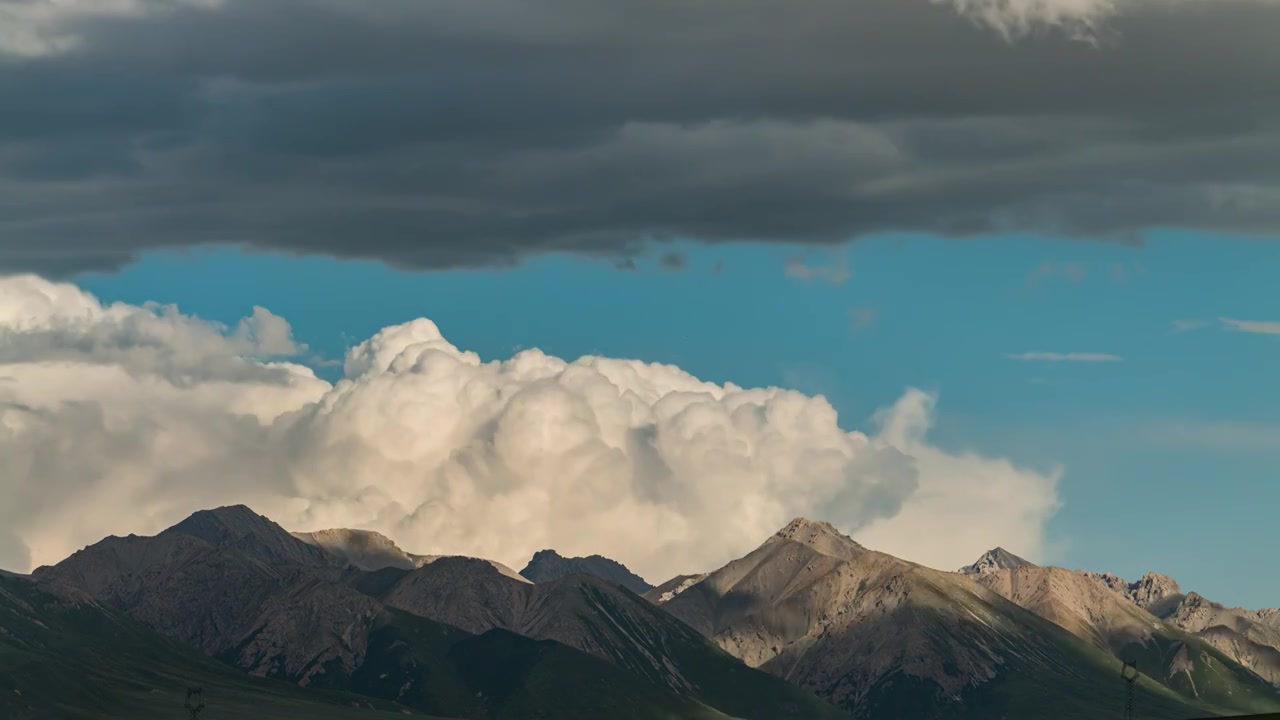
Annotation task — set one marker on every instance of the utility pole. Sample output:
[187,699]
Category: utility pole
[195,702]
[1129,673]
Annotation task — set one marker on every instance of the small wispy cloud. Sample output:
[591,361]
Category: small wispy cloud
[1221,435]
[1073,272]
[1262,327]
[1065,357]
[1189,324]
[835,274]
[863,317]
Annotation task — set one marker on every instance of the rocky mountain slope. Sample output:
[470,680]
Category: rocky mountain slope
[243,590]
[673,587]
[604,619]
[883,637]
[74,658]
[547,565]
[1114,621]
[1130,618]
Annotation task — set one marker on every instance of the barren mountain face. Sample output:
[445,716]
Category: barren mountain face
[238,587]
[1129,619]
[1084,607]
[876,634]
[1251,637]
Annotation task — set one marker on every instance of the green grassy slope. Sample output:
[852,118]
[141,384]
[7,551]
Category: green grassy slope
[717,678]
[501,676]
[59,661]
[1048,675]
[1196,670]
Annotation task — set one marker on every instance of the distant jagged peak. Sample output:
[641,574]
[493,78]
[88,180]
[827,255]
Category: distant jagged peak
[1153,592]
[1153,587]
[548,565]
[995,560]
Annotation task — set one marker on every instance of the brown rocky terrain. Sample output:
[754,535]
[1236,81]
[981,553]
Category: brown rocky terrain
[882,636]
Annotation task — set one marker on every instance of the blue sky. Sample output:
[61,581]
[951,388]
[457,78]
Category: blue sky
[1170,452]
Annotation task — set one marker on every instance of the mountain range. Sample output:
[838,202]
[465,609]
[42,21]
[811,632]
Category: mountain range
[811,624]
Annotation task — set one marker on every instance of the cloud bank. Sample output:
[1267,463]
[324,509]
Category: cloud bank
[121,419]
[434,134]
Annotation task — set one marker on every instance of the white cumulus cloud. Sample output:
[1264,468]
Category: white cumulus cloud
[123,419]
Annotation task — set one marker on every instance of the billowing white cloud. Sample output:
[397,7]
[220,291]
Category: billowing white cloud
[119,419]
[964,502]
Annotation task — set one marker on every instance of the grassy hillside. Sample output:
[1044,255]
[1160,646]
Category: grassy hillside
[499,675]
[1195,669]
[57,660]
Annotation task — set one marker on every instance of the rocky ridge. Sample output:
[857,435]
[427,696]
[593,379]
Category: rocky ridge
[548,565]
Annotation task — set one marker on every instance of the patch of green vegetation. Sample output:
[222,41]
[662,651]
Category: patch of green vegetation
[500,675]
[717,678]
[90,663]
[1047,674]
[1200,672]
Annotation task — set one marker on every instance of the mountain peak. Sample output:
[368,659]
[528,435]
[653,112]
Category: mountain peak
[240,527]
[819,536]
[548,565]
[802,528]
[994,560]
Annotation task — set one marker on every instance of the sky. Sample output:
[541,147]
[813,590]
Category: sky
[1169,451]
[949,274]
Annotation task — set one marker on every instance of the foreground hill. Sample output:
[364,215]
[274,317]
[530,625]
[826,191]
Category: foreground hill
[70,659]
[883,637]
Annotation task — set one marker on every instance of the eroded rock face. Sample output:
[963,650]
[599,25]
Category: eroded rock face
[548,565]
[1246,636]
[1153,591]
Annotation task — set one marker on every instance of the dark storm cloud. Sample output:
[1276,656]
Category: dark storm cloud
[429,133]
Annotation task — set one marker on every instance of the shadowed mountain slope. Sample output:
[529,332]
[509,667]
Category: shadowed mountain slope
[248,595]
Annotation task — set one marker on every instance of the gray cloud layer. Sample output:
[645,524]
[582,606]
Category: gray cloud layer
[443,134]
